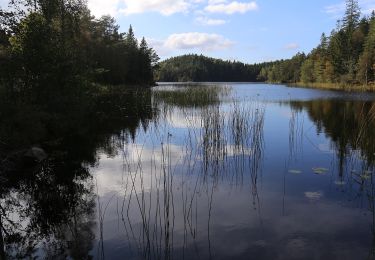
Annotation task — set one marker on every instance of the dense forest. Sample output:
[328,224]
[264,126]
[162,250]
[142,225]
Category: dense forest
[57,47]
[200,68]
[347,56]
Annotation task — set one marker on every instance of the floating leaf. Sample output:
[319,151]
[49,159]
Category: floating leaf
[295,171]
[320,170]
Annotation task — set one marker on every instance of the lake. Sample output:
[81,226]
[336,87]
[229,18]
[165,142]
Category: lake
[205,171]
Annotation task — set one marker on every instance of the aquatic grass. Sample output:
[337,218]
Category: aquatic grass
[192,96]
[226,145]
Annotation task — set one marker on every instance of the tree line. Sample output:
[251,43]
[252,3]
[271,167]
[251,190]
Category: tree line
[56,48]
[346,56]
[200,68]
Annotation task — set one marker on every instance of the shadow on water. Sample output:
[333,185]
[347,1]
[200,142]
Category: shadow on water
[47,194]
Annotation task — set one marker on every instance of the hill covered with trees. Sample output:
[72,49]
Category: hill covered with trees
[200,68]
[346,56]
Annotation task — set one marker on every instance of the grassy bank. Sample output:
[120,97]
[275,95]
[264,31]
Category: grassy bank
[337,86]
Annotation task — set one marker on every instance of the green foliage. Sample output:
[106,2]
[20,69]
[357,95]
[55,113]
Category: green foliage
[284,71]
[345,57]
[197,68]
[52,51]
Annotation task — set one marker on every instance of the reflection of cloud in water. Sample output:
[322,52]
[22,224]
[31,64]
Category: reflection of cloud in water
[111,175]
[180,120]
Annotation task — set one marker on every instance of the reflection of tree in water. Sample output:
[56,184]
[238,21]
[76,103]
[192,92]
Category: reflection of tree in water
[350,126]
[48,208]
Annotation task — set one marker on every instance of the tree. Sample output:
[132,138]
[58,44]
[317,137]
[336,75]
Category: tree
[352,15]
[307,71]
[367,59]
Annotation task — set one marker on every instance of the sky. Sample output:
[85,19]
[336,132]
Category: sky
[250,31]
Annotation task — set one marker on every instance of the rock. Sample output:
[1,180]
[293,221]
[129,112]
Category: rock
[37,154]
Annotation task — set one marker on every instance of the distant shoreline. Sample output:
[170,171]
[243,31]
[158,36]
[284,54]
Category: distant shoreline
[327,86]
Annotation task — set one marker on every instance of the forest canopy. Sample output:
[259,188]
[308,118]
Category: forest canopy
[57,48]
[201,68]
[346,56]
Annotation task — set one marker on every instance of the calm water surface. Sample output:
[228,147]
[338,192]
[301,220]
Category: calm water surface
[224,171]
[252,171]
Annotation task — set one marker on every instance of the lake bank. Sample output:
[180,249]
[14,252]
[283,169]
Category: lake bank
[336,86]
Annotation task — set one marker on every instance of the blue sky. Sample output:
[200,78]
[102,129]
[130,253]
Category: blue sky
[248,31]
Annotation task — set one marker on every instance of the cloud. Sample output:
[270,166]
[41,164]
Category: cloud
[128,7]
[336,11]
[165,7]
[208,21]
[189,41]
[195,40]
[291,46]
[230,8]
[100,7]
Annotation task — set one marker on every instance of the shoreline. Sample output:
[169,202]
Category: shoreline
[335,86]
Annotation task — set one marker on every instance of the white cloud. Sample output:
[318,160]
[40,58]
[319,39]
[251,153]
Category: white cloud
[165,7]
[195,40]
[214,2]
[208,21]
[291,46]
[128,7]
[189,41]
[337,10]
[230,8]
[100,7]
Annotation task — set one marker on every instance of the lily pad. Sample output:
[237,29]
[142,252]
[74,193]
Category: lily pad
[320,170]
[295,171]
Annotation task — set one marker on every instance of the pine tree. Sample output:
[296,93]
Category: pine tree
[352,15]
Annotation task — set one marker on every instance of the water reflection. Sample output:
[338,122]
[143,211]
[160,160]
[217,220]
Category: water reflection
[48,209]
[207,182]
[206,171]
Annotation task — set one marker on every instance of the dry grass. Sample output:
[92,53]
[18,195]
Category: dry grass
[337,86]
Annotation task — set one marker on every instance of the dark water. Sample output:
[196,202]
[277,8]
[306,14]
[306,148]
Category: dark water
[228,171]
